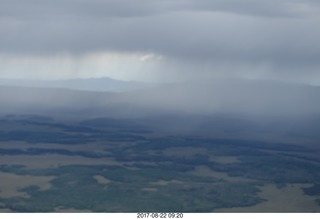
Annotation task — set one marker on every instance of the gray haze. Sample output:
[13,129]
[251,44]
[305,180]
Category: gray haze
[93,84]
[182,40]
[276,39]
[230,97]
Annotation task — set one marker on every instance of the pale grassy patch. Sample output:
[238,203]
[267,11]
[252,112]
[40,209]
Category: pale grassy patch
[205,171]
[287,199]
[224,159]
[71,210]
[164,182]
[49,161]
[101,179]
[11,183]
[149,189]
[184,151]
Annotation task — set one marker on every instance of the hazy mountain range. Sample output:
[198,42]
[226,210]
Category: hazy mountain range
[243,97]
[89,84]
[229,108]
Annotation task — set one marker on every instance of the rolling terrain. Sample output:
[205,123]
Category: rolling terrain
[63,150]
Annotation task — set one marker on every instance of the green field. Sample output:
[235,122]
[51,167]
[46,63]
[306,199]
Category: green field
[104,166]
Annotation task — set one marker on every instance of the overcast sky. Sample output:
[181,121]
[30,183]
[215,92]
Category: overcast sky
[161,40]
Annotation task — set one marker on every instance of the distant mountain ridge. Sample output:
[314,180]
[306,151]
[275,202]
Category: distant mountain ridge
[241,97]
[103,84]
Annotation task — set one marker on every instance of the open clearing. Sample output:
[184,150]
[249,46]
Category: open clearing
[10,184]
[287,199]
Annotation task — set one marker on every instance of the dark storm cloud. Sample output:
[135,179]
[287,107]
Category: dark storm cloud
[260,8]
[276,39]
[83,25]
[73,25]
[279,34]
[78,8]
